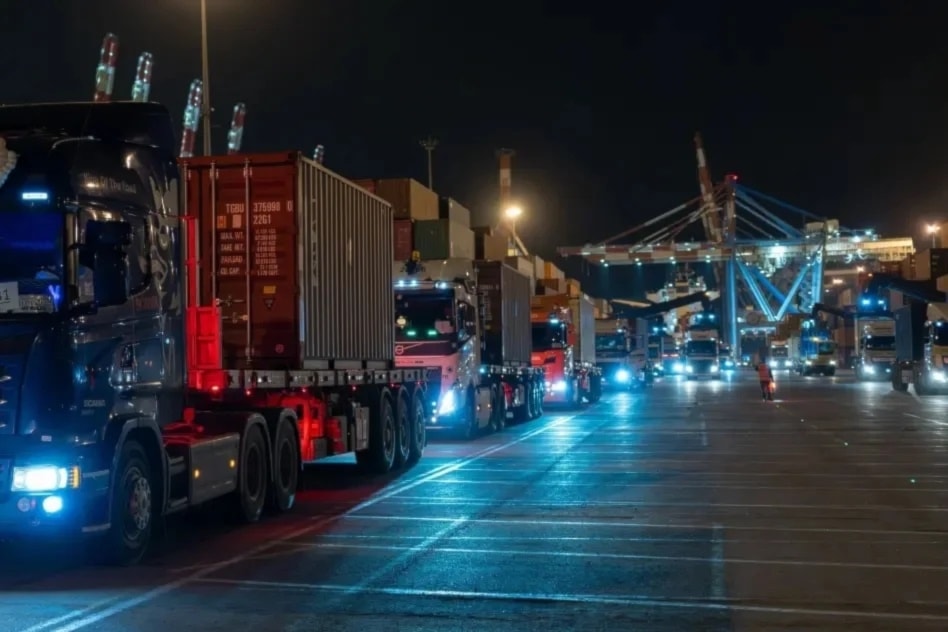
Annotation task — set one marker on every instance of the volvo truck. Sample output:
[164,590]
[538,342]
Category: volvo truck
[165,333]
[471,319]
[564,345]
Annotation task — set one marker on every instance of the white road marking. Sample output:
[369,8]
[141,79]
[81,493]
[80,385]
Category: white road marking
[626,600]
[158,591]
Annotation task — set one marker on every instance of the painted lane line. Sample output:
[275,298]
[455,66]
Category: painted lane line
[624,524]
[631,601]
[158,591]
[686,559]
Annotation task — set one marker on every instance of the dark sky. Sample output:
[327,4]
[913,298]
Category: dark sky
[838,107]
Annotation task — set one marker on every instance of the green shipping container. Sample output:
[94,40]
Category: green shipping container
[443,239]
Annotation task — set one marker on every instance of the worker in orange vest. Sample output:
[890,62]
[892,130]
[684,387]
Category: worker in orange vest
[766,377]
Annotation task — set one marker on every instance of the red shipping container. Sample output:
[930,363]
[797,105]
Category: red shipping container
[403,236]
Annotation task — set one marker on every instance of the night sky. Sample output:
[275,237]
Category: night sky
[837,107]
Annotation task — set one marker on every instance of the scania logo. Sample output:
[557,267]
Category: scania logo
[399,349]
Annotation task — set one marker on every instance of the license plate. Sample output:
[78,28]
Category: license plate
[906,377]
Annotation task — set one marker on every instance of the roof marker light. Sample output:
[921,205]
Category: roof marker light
[34,196]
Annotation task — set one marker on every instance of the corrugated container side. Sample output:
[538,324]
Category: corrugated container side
[443,239]
[247,220]
[449,208]
[573,287]
[346,255]
[368,184]
[403,239]
[303,232]
[553,284]
[584,321]
[908,320]
[505,299]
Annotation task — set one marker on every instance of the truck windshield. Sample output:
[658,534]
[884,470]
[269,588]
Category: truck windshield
[31,262]
[701,347]
[940,336]
[879,343]
[826,348]
[549,336]
[425,316]
[611,342]
[779,352]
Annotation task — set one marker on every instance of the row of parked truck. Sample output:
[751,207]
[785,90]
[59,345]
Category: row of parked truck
[173,332]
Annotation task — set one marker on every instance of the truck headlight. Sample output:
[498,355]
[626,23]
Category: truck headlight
[622,376]
[449,403]
[832,362]
[715,368]
[786,363]
[689,369]
[869,368]
[558,386]
[44,478]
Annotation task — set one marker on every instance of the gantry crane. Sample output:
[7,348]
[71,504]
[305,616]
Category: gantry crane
[762,262]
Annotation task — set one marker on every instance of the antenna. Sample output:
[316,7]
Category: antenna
[429,145]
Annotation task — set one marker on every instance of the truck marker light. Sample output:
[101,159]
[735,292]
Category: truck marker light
[34,196]
[52,504]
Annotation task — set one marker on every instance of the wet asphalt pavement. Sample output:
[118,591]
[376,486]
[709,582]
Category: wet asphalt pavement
[692,506]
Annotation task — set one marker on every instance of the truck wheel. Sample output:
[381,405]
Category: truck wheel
[538,397]
[252,476]
[897,383]
[286,467]
[498,417]
[403,434]
[132,508]
[419,427]
[380,456]
[595,389]
[470,427]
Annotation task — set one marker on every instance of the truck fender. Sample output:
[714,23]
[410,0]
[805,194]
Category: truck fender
[144,430]
[223,422]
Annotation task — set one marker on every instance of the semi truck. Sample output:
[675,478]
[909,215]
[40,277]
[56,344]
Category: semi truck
[812,350]
[564,345]
[471,319]
[921,333]
[875,346]
[701,351]
[159,351]
[779,355]
[614,352]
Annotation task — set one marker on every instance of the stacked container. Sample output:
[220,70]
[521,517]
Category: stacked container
[411,202]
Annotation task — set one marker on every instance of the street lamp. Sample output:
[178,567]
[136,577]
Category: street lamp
[512,213]
[205,77]
[932,229]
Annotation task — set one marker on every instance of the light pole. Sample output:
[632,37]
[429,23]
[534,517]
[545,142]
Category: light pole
[429,145]
[932,229]
[205,77]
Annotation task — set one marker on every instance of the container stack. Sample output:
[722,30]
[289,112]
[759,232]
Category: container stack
[491,245]
[449,236]
[411,202]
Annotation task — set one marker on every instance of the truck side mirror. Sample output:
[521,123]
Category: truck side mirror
[105,253]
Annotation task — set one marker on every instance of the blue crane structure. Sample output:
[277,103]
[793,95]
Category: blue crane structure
[767,264]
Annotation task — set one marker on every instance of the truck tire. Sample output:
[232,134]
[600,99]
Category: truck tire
[419,426]
[538,397]
[469,426]
[498,412]
[133,509]
[403,429]
[897,383]
[595,389]
[380,455]
[286,467]
[252,476]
